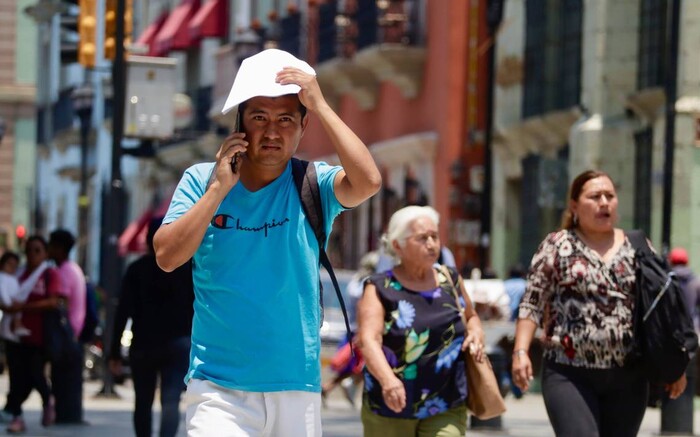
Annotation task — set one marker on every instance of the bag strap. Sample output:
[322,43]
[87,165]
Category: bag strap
[306,182]
[458,292]
[639,241]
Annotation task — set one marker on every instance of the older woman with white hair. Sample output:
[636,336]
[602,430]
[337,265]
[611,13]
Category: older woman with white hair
[412,336]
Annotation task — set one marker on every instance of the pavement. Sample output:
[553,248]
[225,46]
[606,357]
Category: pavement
[111,417]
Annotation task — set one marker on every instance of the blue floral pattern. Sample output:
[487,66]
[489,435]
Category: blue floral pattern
[448,355]
[432,407]
[406,315]
[422,343]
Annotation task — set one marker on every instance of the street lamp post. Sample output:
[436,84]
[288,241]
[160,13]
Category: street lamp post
[82,105]
[493,17]
[114,213]
[676,414]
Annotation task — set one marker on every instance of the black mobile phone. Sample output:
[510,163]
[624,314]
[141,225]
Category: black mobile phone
[237,128]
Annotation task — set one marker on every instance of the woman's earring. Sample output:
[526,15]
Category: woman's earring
[575,220]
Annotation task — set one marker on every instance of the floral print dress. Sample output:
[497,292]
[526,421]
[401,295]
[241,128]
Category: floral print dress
[422,339]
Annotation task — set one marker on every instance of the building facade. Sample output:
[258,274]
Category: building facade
[409,77]
[488,126]
[580,85]
[18,94]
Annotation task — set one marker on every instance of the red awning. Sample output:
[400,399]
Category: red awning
[148,36]
[133,239]
[211,20]
[174,35]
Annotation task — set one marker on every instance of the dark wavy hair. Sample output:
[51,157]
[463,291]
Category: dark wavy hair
[567,218]
[63,239]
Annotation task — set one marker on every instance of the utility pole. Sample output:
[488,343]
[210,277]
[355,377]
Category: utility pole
[113,212]
[670,134]
[494,15]
[676,414]
[82,105]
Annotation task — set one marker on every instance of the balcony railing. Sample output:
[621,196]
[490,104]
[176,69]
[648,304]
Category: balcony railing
[363,42]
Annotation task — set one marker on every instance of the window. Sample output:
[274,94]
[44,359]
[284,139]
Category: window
[552,55]
[652,47]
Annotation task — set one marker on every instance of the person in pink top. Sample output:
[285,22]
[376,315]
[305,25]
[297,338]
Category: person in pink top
[66,376]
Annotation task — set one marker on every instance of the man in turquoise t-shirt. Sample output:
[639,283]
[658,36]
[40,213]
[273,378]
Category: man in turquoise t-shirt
[255,357]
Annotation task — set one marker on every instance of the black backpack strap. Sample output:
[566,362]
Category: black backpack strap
[639,242]
[306,182]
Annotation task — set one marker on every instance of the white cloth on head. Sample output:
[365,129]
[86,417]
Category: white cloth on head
[256,77]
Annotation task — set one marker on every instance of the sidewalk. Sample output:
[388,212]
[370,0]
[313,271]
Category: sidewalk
[525,417]
[104,417]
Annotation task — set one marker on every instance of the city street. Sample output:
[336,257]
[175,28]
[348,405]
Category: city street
[112,417]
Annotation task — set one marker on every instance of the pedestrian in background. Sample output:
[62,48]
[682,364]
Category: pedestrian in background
[690,283]
[346,365]
[515,287]
[26,359]
[160,307]
[10,293]
[413,338]
[67,375]
[255,364]
[580,291]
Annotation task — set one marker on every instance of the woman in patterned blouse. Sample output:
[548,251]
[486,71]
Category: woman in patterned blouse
[412,337]
[580,291]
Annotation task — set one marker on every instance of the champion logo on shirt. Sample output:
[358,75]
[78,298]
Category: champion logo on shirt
[225,221]
[222,221]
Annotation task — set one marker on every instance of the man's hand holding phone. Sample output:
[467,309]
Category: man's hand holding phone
[234,144]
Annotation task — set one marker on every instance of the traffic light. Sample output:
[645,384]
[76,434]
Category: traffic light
[87,30]
[21,234]
[111,26]
[128,21]
[110,29]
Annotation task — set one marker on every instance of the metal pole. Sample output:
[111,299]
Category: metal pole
[677,414]
[82,104]
[669,137]
[83,201]
[47,115]
[114,212]
[497,355]
[494,16]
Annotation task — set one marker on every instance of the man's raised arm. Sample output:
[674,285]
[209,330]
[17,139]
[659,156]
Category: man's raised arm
[360,178]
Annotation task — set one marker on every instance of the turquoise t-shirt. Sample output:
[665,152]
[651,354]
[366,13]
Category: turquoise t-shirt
[256,310]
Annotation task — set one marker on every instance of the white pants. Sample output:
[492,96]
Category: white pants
[215,410]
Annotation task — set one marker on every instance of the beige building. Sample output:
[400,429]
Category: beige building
[17,119]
